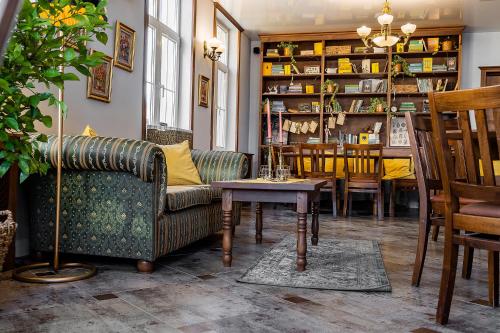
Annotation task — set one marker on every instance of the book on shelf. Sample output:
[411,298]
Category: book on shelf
[424,85]
[307,52]
[407,107]
[451,63]
[356,105]
[313,140]
[295,88]
[372,86]
[378,50]
[416,45]
[267,68]
[283,89]
[366,65]
[278,106]
[433,44]
[345,65]
[272,53]
[427,65]
[439,68]
[415,67]
[351,88]
[441,85]
[287,69]
[278,69]
[375,67]
[318,48]
[361,49]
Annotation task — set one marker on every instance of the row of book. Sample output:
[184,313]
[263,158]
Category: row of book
[426,85]
[278,106]
[367,86]
[407,107]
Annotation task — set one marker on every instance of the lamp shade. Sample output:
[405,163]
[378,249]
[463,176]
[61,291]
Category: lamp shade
[408,28]
[383,41]
[364,31]
[385,19]
[214,43]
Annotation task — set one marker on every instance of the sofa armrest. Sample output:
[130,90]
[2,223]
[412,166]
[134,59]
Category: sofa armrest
[105,154]
[219,165]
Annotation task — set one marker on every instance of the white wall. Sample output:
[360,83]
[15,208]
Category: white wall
[479,49]
[123,116]
[254,105]
[244,118]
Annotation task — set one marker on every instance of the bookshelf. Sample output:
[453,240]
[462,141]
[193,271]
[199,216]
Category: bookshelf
[355,122]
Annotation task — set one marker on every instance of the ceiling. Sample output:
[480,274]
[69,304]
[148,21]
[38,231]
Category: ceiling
[294,16]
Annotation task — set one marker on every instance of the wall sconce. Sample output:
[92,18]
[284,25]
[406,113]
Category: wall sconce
[213,48]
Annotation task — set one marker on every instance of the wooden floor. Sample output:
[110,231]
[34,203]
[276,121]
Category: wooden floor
[191,292]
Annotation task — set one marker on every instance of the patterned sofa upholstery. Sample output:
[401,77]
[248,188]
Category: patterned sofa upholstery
[116,202]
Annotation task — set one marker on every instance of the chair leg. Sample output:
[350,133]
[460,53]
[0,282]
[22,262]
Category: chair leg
[447,280]
[144,266]
[380,205]
[350,203]
[493,278]
[435,233]
[346,200]
[423,239]
[467,265]
[392,200]
[374,205]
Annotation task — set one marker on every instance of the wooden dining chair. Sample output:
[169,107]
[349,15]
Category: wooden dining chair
[431,203]
[480,220]
[319,155]
[365,176]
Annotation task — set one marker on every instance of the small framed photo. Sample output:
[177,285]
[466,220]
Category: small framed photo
[203,91]
[99,81]
[451,64]
[124,47]
[367,86]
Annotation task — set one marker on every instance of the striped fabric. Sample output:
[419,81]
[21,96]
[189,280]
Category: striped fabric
[219,165]
[169,136]
[185,196]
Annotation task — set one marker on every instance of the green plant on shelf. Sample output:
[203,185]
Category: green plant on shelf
[288,49]
[400,67]
[330,87]
[377,105]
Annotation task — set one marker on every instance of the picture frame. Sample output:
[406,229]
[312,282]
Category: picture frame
[124,47]
[399,133]
[203,91]
[99,83]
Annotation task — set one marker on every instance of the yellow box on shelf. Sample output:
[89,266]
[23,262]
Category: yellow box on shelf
[318,48]
[400,47]
[364,138]
[309,89]
[433,44]
[375,67]
[427,65]
[267,68]
[288,69]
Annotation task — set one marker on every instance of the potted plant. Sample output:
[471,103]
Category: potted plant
[377,105]
[400,67]
[31,67]
[328,86]
[288,49]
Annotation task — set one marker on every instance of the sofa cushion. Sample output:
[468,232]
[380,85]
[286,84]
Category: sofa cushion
[180,167]
[185,196]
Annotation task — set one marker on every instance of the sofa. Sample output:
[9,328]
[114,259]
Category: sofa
[116,202]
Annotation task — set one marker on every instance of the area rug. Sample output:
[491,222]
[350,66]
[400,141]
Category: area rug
[342,264]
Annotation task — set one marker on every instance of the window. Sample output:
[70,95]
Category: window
[221,114]
[162,62]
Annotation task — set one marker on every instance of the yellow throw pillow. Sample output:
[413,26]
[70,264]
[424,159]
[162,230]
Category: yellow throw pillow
[89,131]
[180,167]
[496,168]
[398,168]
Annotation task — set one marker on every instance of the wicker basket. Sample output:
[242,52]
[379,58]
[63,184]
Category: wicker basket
[7,231]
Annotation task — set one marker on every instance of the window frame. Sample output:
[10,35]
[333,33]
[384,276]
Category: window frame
[223,67]
[161,29]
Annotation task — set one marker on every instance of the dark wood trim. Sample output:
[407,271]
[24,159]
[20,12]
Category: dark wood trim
[144,62]
[193,76]
[353,34]
[485,71]
[224,12]
[7,22]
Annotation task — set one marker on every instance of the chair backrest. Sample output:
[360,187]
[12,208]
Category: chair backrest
[424,153]
[318,155]
[479,182]
[366,162]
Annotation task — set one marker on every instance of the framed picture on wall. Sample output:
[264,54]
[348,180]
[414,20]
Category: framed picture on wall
[124,47]
[203,91]
[99,81]
[399,133]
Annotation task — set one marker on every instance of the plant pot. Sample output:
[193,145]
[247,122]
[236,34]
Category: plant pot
[330,89]
[380,108]
[287,52]
[398,68]
[447,45]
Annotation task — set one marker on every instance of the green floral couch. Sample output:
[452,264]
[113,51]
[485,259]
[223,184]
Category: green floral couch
[116,202]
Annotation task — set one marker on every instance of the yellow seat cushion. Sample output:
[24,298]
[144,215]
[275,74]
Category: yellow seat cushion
[180,167]
[89,131]
[328,166]
[398,168]
[496,168]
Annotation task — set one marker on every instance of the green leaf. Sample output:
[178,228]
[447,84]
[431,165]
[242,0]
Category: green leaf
[70,77]
[51,73]
[24,166]
[4,84]
[4,167]
[102,37]
[69,54]
[22,177]
[34,100]
[12,123]
[47,121]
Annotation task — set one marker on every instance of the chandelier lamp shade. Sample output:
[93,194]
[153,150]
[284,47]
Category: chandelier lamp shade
[385,38]
[213,49]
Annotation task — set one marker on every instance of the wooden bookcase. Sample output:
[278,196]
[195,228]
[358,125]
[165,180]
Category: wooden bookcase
[355,123]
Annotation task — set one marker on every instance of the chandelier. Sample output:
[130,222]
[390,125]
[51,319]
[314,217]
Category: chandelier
[385,38]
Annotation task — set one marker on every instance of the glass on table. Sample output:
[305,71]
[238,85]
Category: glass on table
[265,172]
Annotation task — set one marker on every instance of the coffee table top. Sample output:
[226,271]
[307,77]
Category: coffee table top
[305,185]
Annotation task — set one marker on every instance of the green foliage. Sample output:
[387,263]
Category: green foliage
[405,67]
[35,55]
[374,103]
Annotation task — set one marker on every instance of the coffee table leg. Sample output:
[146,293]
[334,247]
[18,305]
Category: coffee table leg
[227,219]
[315,220]
[301,231]
[258,223]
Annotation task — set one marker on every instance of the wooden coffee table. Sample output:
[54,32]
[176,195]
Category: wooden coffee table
[299,192]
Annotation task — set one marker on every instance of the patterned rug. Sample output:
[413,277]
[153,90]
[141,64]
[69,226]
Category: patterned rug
[349,265]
